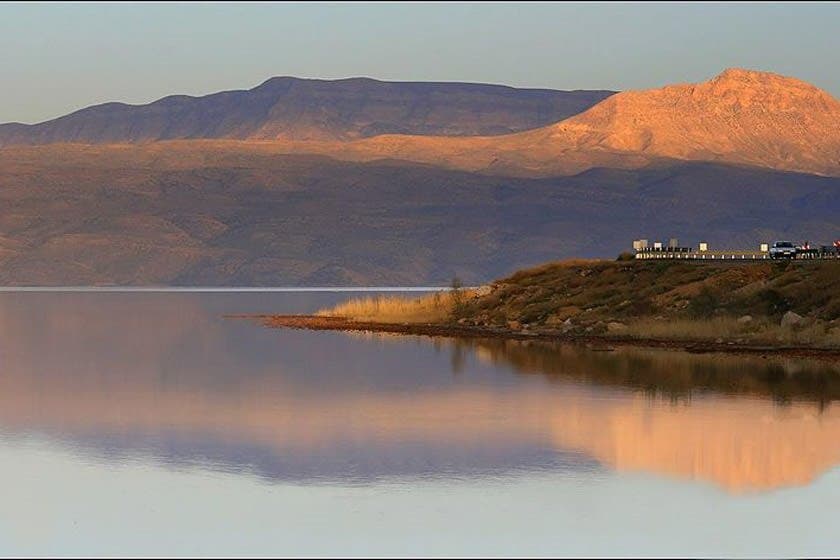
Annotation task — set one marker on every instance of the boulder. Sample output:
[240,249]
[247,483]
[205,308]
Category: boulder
[555,320]
[616,327]
[744,319]
[514,325]
[791,319]
[598,328]
[482,291]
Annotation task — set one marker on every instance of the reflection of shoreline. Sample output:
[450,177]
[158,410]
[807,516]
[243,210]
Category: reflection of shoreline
[183,383]
[669,373]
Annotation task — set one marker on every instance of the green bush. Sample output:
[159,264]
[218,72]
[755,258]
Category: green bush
[772,302]
[704,304]
[662,266]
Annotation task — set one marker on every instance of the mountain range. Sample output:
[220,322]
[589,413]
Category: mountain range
[298,109]
[361,182]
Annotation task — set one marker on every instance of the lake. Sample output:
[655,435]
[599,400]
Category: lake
[151,424]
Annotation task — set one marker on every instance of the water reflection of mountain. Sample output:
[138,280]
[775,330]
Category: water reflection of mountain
[342,462]
[166,377]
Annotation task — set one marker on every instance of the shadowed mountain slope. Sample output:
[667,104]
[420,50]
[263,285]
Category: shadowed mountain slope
[169,213]
[300,109]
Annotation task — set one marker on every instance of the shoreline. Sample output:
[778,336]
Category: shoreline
[595,342]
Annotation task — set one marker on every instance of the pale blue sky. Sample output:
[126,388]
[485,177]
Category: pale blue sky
[55,58]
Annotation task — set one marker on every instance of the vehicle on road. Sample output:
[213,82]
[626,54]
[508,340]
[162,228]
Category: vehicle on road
[783,250]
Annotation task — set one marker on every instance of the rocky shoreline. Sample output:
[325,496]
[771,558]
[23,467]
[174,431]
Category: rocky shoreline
[603,342]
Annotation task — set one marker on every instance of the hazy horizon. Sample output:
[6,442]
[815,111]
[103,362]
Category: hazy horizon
[94,53]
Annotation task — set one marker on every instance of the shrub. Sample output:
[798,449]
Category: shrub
[457,296]
[662,266]
[704,304]
[773,302]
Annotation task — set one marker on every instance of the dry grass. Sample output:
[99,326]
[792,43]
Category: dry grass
[762,330]
[432,308]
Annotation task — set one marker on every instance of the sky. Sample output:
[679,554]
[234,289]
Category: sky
[59,57]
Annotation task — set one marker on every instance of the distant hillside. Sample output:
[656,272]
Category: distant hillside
[186,213]
[301,109]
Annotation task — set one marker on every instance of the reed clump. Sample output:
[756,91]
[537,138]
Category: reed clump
[437,307]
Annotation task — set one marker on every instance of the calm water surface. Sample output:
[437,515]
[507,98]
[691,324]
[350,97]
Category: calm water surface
[147,423]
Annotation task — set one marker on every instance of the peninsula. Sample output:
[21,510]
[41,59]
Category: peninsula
[768,307]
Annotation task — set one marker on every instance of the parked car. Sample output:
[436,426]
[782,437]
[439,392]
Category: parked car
[783,250]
